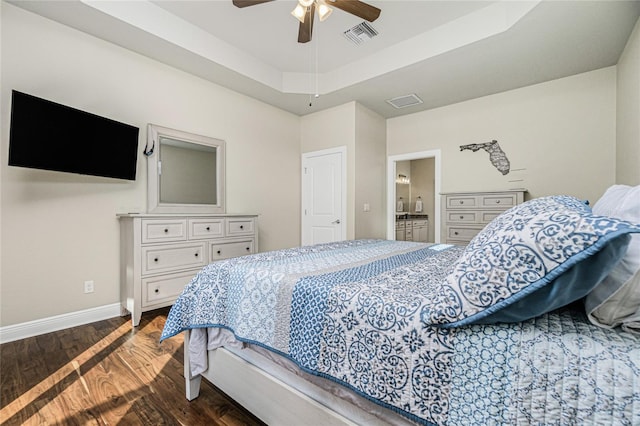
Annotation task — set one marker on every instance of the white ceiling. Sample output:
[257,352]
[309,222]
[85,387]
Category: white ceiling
[443,51]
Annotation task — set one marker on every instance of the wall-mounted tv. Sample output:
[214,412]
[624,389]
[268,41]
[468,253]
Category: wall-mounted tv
[50,136]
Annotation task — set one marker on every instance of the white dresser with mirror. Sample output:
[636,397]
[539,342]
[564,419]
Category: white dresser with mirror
[186,226]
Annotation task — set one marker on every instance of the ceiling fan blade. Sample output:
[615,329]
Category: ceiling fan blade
[245,3]
[306,28]
[358,8]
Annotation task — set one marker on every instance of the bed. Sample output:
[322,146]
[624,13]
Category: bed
[396,332]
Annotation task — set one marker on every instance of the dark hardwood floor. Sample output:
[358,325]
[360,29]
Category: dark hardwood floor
[106,373]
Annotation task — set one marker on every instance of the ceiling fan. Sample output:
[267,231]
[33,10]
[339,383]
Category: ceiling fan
[305,12]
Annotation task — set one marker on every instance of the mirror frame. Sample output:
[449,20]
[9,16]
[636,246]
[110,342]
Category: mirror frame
[152,150]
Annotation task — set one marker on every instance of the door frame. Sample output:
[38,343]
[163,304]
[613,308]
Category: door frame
[391,189]
[342,150]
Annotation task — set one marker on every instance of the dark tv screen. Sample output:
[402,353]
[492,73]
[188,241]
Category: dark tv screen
[50,136]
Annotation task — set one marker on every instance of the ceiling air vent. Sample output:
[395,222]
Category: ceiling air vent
[405,101]
[361,33]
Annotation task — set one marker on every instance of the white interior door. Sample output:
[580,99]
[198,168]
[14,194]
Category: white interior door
[324,196]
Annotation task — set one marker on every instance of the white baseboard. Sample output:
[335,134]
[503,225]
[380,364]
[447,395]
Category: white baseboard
[58,322]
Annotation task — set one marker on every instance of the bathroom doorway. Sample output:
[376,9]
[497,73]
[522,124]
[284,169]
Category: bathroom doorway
[413,189]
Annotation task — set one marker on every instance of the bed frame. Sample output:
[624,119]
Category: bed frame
[268,397]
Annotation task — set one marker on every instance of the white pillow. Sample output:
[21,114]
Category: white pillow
[616,300]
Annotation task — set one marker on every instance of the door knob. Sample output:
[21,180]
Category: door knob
[336,222]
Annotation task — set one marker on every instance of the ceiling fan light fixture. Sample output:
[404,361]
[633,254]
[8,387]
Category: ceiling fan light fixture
[323,10]
[299,12]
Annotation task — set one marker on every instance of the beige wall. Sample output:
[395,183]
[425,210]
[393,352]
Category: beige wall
[559,137]
[60,229]
[363,132]
[332,128]
[370,165]
[628,112]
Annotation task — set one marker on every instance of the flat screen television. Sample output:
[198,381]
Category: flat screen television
[50,136]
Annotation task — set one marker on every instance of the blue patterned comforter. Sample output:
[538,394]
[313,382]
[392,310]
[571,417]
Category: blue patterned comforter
[357,312]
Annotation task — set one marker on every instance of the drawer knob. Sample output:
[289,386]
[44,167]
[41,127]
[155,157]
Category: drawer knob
[157,290]
[219,252]
[156,259]
[455,233]
[208,228]
[497,201]
[461,202]
[166,230]
[241,226]
[461,217]
[196,254]
[248,248]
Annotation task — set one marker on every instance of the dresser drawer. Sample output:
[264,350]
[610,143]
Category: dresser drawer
[501,201]
[205,228]
[164,289]
[239,227]
[171,257]
[462,234]
[420,223]
[462,217]
[158,230]
[489,216]
[230,249]
[462,202]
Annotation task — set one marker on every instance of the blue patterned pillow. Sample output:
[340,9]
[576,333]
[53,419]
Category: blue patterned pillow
[533,258]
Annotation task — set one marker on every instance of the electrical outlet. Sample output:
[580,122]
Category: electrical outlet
[88,286]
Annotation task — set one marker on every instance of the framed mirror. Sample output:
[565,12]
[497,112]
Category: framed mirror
[185,172]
